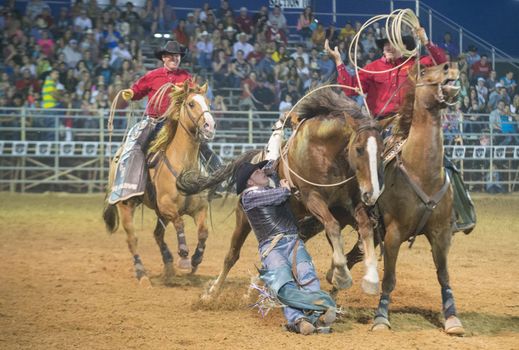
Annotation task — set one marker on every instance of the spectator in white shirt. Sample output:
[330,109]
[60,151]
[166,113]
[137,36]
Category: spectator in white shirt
[71,54]
[276,16]
[242,45]
[300,52]
[82,22]
[118,55]
[205,51]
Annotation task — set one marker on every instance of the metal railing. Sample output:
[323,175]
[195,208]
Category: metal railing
[69,150]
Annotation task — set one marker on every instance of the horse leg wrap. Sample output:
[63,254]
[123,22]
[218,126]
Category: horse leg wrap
[167,258]
[383,307]
[449,308]
[183,251]
[139,267]
[198,255]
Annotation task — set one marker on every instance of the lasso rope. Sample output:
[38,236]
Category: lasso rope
[110,125]
[394,22]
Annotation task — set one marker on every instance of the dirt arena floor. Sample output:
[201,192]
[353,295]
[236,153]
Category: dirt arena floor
[66,284]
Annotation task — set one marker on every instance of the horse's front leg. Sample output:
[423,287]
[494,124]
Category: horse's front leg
[167,258]
[241,231]
[169,210]
[440,243]
[317,206]
[391,249]
[370,279]
[183,251]
[200,219]
[127,210]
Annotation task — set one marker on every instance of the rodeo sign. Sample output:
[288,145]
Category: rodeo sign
[290,4]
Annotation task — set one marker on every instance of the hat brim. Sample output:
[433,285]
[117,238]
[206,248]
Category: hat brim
[244,172]
[407,39]
[158,54]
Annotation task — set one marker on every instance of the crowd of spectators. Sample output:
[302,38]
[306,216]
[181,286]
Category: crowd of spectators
[82,56]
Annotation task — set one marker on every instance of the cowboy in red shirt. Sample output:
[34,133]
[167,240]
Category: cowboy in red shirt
[171,54]
[386,92]
[130,179]
[380,88]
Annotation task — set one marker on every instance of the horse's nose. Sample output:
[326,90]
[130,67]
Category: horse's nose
[209,127]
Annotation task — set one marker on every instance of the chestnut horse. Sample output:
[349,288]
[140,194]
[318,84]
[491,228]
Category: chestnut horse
[417,197]
[188,123]
[334,143]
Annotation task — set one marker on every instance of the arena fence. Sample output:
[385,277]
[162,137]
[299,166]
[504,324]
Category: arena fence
[69,149]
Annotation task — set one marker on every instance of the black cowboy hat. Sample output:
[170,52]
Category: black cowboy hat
[408,40]
[244,172]
[170,47]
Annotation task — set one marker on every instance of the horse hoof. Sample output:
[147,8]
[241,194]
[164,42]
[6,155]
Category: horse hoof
[184,264]
[380,324]
[453,326]
[342,281]
[145,282]
[369,287]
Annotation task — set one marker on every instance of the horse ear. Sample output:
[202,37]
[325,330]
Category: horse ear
[186,85]
[352,122]
[176,88]
[203,89]
[384,123]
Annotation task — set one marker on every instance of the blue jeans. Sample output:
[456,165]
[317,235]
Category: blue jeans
[279,263]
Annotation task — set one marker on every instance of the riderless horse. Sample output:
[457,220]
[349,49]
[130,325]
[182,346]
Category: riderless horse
[188,123]
[334,144]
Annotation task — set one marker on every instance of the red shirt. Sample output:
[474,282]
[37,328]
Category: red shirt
[245,24]
[153,81]
[481,70]
[380,87]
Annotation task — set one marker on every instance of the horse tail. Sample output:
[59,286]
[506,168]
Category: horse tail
[110,217]
[192,182]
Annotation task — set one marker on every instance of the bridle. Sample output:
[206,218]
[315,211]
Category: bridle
[439,85]
[197,135]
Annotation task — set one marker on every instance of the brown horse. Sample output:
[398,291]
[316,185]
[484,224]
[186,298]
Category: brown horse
[417,197]
[189,122]
[334,143]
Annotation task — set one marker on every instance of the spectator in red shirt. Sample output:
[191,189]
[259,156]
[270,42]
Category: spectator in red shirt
[180,34]
[481,68]
[385,91]
[244,21]
[25,82]
[47,44]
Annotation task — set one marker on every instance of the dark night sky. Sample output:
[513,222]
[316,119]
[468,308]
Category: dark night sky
[495,21]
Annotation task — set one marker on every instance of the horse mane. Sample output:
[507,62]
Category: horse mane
[325,102]
[403,124]
[177,97]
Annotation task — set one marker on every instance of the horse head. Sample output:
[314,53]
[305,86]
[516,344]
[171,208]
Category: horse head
[194,115]
[435,86]
[364,155]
